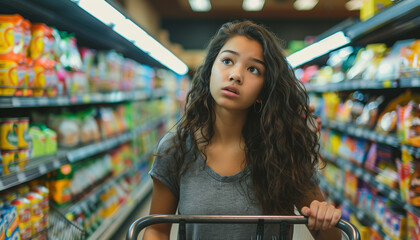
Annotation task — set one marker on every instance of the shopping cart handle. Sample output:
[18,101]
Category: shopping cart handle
[349,229]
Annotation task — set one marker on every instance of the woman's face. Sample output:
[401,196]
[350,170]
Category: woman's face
[237,75]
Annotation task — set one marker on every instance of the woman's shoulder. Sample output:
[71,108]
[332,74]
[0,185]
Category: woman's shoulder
[166,141]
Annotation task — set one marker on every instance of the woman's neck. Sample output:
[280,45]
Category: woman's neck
[228,126]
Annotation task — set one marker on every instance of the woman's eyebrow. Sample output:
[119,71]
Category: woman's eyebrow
[253,59]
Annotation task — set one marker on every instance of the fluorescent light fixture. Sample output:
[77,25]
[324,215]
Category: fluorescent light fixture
[200,5]
[305,5]
[102,10]
[353,5]
[319,48]
[253,5]
[110,16]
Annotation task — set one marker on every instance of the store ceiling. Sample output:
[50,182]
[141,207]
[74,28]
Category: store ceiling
[273,9]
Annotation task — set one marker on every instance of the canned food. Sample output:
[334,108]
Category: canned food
[8,75]
[35,202]
[23,158]
[22,133]
[8,134]
[9,161]
[39,82]
[23,209]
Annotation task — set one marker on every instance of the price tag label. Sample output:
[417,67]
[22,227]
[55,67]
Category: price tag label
[21,177]
[393,195]
[366,177]
[387,84]
[415,82]
[359,132]
[56,164]
[16,102]
[86,98]
[42,169]
[43,101]
[360,215]
[358,172]
[61,101]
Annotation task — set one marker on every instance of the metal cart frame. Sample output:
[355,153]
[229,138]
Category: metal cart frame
[349,229]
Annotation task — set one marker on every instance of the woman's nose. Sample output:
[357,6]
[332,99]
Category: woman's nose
[236,76]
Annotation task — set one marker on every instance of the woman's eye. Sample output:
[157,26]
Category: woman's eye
[254,70]
[227,61]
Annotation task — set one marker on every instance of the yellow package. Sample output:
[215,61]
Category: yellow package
[11,34]
[371,7]
[8,75]
[38,40]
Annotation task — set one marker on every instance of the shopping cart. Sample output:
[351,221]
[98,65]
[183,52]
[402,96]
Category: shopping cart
[141,223]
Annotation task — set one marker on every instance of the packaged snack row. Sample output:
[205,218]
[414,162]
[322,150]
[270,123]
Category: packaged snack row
[39,60]
[25,212]
[21,141]
[391,217]
[398,115]
[375,62]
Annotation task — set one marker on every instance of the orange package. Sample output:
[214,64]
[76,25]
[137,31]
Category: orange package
[39,38]
[11,34]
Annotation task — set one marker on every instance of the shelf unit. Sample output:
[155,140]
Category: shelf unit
[399,21]
[89,31]
[67,16]
[361,215]
[369,178]
[88,98]
[110,225]
[43,165]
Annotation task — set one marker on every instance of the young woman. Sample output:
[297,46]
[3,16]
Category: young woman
[245,145]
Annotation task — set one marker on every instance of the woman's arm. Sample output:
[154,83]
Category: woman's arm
[163,202]
[322,216]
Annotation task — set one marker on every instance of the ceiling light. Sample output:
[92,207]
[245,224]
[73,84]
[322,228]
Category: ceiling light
[317,49]
[305,5]
[110,16]
[353,5]
[253,5]
[200,5]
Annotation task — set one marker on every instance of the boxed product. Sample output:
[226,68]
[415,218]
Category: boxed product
[409,171]
[413,226]
[371,7]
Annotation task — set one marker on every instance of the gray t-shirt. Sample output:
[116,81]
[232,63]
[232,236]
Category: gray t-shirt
[200,191]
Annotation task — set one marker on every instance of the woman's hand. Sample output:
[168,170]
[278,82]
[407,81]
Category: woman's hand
[321,215]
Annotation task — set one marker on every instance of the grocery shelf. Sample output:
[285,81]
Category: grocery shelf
[400,18]
[110,225]
[89,98]
[408,82]
[40,166]
[67,16]
[415,151]
[110,143]
[366,176]
[36,167]
[361,215]
[361,132]
[352,85]
[398,12]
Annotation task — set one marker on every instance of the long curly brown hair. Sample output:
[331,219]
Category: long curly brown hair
[282,149]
